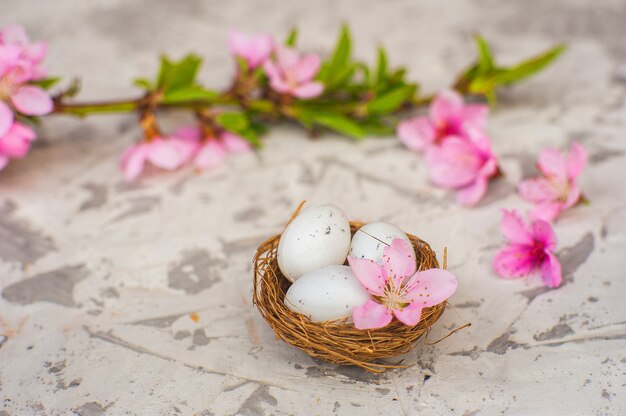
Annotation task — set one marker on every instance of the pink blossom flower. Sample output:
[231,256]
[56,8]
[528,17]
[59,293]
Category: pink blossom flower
[397,288]
[15,143]
[254,49]
[448,116]
[167,153]
[463,164]
[529,249]
[19,62]
[210,152]
[558,189]
[293,74]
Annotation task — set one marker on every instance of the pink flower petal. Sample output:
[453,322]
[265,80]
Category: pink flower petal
[551,271]
[191,133]
[416,133]
[306,68]
[16,142]
[14,34]
[542,232]
[409,315]
[537,190]
[546,211]
[165,154]
[553,165]
[287,57]
[399,261]
[447,106]
[431,287]
[210,156]
[371,315]
[186,148]
[515,260]
[475,115]
[308,90]
[573,197]
[576,160]
[6,118]
[133,161]
[234,144]
[514,229]
[370,274]
[473,193]
[4,161]
[453,164]
[32,101]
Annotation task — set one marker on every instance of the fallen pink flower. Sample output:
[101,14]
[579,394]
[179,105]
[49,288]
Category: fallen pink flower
[165,153]
[558,190]
[210,152]
[293,74]
[15,143]
[448,116]
[463,164]
[396,287]
[254,49]
[529,250]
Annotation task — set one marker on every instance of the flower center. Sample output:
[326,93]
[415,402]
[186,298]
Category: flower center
[393,297]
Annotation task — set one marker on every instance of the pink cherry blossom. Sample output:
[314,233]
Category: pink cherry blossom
[397,289]
[529,250]
[15,143]
[293,74]
[558,189]
[167,153]
[463,164]
[254,49]
[210,152]
[448,116]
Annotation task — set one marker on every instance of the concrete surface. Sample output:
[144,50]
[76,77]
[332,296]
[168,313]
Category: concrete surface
[136,300]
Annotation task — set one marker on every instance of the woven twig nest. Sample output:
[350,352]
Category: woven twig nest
[337,342]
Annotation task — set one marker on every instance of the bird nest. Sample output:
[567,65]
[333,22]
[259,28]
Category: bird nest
[338,341]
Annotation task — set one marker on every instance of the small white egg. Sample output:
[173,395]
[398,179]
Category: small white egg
[325,294]
[370,241]
[319,236]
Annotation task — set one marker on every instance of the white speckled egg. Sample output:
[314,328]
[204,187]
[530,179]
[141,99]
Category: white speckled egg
[366,243]
[319,236]
[325,294]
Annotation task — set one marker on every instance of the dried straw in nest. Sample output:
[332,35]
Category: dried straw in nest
[337,341]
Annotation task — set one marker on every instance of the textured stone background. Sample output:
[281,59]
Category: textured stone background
[100,279]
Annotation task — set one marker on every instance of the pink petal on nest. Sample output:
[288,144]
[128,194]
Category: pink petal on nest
[551,271]
[576,161]
[370,274]
[308,90]
[399,261]
[371,315]
[537,190]
[6,118]
[542,232]
[32,101]
[409,315]
[515,260]
[514,229]
[446,106]
[431,287]
[416,133]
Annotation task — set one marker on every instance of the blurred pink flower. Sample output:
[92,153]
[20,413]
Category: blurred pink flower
[293,74]
[15,143]
[255,49]
[463,164]
[448,116]
[529,249]
[397,288]
[210,152]
[558,189]
[167,153]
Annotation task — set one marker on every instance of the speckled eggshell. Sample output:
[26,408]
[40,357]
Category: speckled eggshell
[325,294]
[319,236]
[365,246]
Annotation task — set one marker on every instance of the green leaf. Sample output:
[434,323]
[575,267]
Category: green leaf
[528,67]
[292,38]
[164,71]
[142,83]
[381,66]
[233,121]
[191,93]
[485,56]
[334,69]
[46,83]
[339,123]
[391,100]
[173,75]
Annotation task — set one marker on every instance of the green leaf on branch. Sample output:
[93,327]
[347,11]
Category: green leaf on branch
[338,68]
[292,38]
[529,67]
[190,93]
[143,83]
[485,56]
[174,75]
[46,83]
[381,67]
[233,121]
[337,122]
[391,100]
